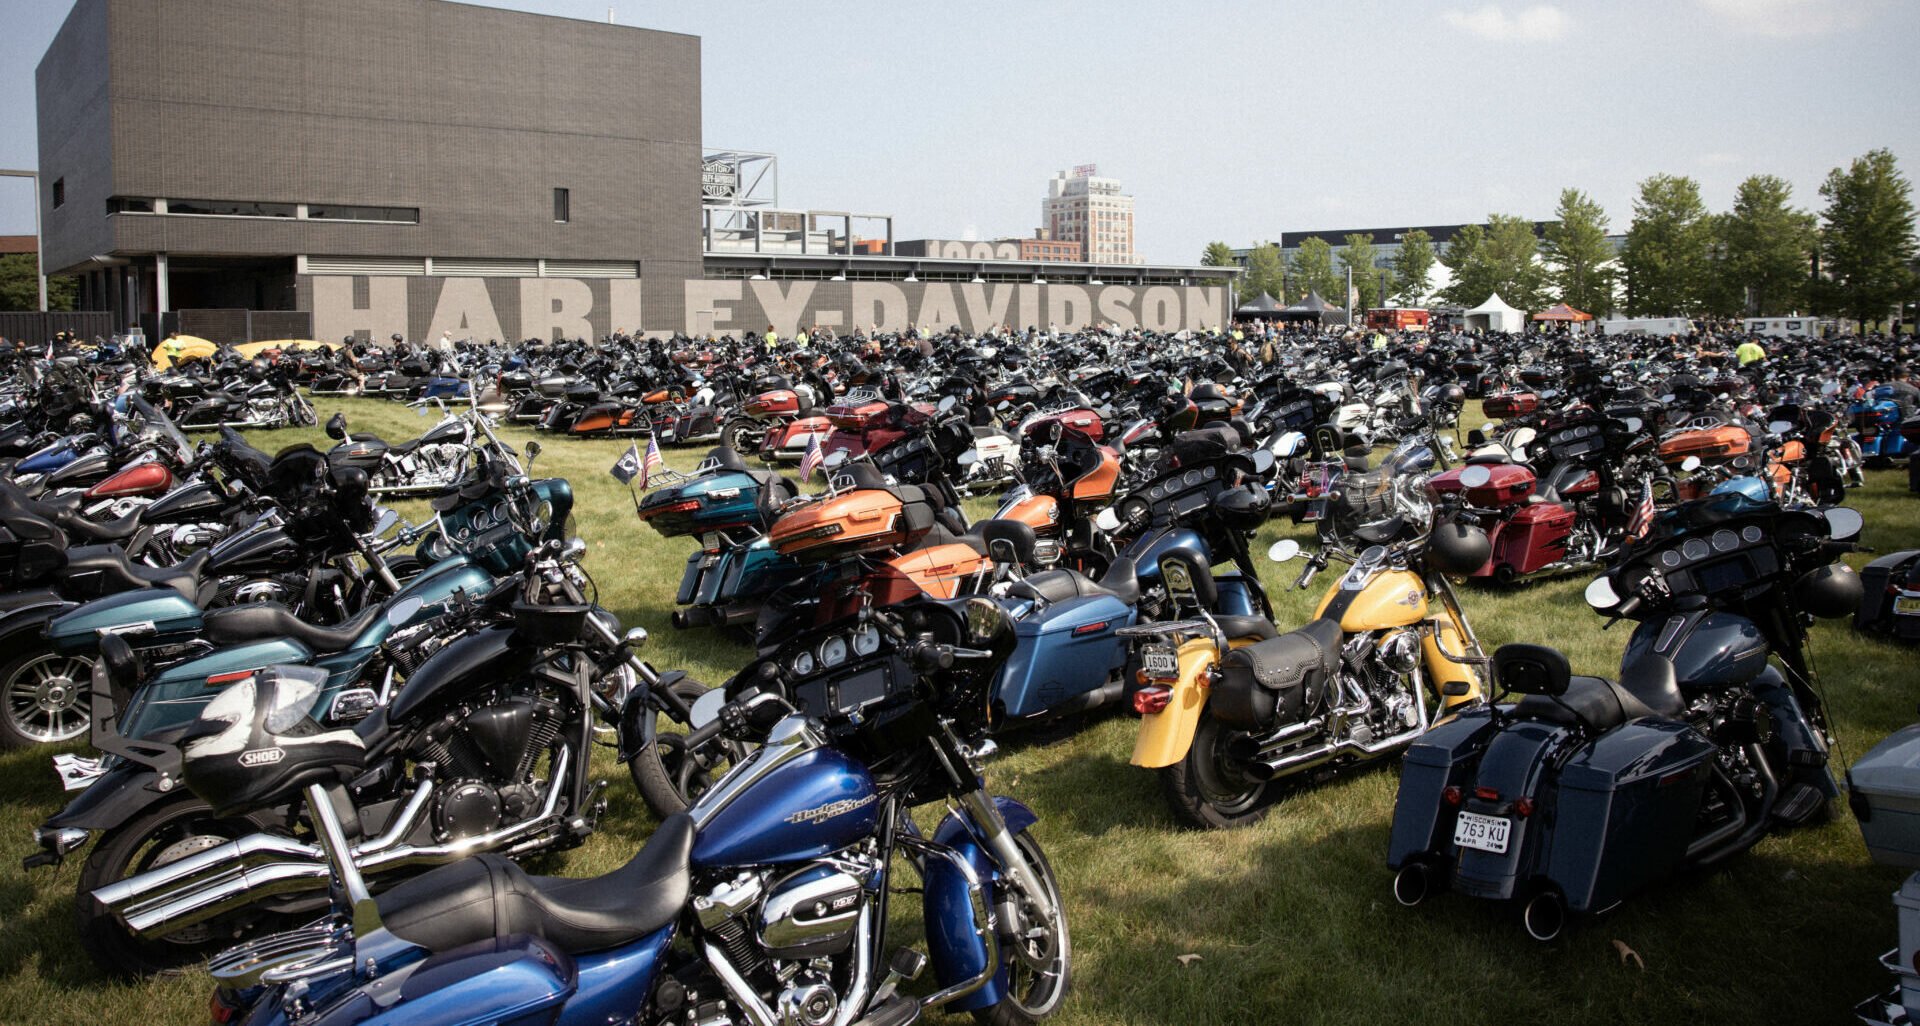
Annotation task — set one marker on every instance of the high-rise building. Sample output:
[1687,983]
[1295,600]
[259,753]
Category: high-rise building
[1081,207]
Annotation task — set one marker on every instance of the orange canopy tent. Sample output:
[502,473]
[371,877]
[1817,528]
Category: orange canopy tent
[1562,312]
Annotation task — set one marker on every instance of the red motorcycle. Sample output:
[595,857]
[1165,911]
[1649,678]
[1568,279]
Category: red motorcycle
[781,417]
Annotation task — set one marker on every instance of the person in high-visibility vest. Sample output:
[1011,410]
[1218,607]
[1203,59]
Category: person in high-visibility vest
[1749,351]
[772,337]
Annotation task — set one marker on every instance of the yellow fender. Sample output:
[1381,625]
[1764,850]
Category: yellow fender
[1446,637]
[1166,735]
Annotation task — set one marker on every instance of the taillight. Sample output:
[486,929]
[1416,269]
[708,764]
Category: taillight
[1148,701]
[1487,794]
[220,1010]
[1450,795]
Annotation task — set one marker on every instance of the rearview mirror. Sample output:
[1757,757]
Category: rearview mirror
[706,708]
[1600,594]
[1690,464]
[968,458]
[533,451]
[947,403]
[1475,476]
[1262,462]
[1779,427]
[1283,550]
[1107,520]
[387,521]
[1843,523]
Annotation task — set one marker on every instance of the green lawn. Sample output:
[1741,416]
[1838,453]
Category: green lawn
[1292,920]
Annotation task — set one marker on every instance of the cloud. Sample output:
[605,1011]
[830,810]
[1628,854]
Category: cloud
[1787,19]
[1537,24]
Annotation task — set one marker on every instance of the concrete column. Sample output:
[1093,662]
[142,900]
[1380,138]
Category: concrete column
[162,294]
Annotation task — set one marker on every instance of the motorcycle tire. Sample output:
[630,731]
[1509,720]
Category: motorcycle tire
[1039,963]
[170,829]
[1209,789]
[46,698]
[742,436]
[667,778]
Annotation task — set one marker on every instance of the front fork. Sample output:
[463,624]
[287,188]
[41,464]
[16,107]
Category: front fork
[986,817]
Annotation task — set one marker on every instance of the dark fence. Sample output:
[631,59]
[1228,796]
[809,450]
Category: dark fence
[37,328]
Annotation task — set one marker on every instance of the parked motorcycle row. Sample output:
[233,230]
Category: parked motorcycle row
[326,735]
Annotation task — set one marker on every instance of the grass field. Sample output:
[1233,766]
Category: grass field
[1292,920]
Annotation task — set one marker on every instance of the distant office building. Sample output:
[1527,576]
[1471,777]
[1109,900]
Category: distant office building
[1081,207]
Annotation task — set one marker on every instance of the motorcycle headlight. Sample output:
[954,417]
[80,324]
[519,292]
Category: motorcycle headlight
[542,517]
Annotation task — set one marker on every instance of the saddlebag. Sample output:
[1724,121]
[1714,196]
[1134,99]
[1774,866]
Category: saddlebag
[1626,810]
[1883,788]
[1269,681]
[1890,603]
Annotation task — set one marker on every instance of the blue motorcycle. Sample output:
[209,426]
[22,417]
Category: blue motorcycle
[766,903]
[1876,420]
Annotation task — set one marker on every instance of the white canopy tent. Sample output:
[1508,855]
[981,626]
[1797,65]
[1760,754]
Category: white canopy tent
[1495,315]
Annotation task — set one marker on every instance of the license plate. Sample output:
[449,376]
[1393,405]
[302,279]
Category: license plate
[1907,605]
[1160,663]
[1482,833]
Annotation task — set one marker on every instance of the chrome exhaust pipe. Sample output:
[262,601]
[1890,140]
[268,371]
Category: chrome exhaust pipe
[156,903]
[1295,761]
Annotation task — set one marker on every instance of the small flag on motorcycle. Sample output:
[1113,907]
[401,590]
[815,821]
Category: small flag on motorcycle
[653,462]
[628,466]
[1642,519]
[810,460]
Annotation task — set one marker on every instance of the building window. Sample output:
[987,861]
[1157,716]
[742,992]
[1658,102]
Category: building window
[229,208]
[129,205]
[562,206]
[339,212]
[59,193]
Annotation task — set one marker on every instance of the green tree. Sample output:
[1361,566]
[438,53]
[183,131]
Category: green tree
[1496,259]
[1264,273]
[1762,248]
[1217,254]
[1866,241]
[1666,259]
[1412,267]
[1312,271]
[1575,250]
[1359,257]
[20,285]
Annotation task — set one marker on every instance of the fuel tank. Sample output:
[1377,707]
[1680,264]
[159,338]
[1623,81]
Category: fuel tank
[1391,598]
[791,806]
[150,478]
[193,503]
[1708,649]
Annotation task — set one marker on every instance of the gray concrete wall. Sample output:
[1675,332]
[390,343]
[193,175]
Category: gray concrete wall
[76,140]
[516,308]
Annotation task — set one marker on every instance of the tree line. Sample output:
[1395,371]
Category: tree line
[1856,258]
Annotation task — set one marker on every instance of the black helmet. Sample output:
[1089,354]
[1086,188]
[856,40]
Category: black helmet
[258,742]
[1456,548]
[1245,507]
[395,337]
[1829,592]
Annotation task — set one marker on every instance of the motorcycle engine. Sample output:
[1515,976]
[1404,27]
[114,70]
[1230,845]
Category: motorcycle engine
[487,755]
[792,932]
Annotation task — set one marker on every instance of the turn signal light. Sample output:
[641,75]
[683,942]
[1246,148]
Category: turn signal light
[1148,701]
[1450,795]
[1523,807]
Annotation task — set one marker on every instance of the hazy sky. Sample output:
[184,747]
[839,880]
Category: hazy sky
[1238,121]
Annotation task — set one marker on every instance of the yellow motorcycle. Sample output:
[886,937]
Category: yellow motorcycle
[1227,719]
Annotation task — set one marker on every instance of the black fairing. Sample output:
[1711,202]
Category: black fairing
[263,549]
[190,504]
[473,661]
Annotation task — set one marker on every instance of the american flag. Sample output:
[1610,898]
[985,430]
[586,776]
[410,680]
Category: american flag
[810,460]
[1642,520]
[654,461]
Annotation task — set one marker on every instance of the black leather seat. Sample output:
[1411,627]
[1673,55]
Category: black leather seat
[1647,687]
[258,620]
[84,530]
[1121,581]
[1246,626]
[489,896]
[119,573]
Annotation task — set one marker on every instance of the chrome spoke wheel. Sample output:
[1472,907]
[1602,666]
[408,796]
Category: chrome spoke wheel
[47,699]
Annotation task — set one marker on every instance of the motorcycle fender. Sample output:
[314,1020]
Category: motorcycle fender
[638,724]
[515,978]
[1516,763]
[1806,756]
[954,934]
[1166,735]
[124,792]
[1442,757]
[1444,639]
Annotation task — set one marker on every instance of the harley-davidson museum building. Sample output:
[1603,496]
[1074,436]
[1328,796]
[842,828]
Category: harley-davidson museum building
[253,168]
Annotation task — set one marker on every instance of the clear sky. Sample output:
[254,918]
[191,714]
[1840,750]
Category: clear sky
[1238,121]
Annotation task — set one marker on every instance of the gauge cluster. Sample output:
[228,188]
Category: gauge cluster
[1718,559]
[844,670]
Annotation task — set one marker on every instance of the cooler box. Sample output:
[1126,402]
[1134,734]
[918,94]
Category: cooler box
[1884,791]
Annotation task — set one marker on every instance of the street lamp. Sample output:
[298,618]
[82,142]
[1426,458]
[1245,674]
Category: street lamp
[39,247]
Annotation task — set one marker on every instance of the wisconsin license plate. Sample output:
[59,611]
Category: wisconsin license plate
[1907,605]
[1160,663]
[1482,833]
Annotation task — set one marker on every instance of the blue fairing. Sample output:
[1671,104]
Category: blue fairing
[1065,649]
[953,941]
[1750,487]
[1147,552]
[819,802]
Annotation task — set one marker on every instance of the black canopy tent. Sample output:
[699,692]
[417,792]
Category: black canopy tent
[1315,309]
[1260,307]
